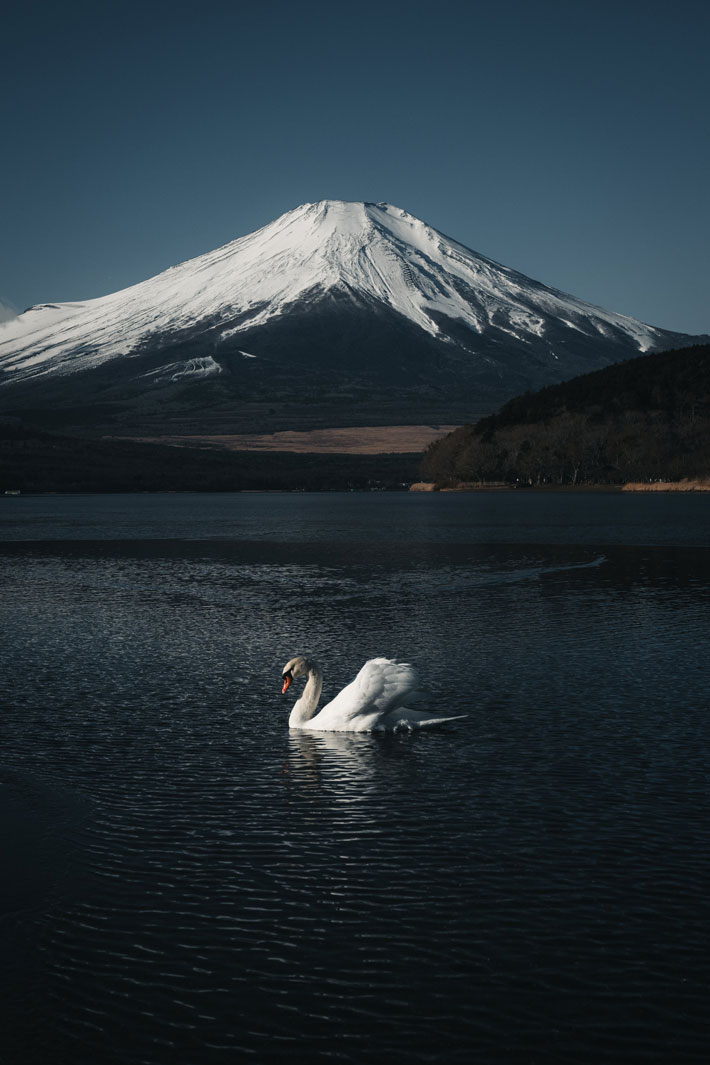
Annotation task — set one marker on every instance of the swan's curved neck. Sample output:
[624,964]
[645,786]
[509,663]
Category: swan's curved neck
[307,705]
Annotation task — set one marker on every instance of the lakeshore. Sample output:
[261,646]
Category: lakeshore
[685,485]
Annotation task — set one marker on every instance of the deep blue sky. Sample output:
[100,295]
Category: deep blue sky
[567,141]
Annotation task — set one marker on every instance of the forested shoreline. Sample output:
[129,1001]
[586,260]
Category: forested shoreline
[646,420]
[643,420]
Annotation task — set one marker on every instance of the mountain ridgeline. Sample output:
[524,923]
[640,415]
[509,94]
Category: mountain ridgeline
[640,420]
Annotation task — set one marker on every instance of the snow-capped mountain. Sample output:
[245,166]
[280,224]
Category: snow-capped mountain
[333,300]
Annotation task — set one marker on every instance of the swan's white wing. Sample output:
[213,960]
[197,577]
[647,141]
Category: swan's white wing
[381,685]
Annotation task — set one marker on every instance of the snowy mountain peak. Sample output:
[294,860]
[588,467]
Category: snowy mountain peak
[373,264]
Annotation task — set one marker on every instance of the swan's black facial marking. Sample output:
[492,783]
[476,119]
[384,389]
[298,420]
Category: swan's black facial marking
[287,678]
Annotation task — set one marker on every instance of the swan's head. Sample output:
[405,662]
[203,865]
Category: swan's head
[297,667]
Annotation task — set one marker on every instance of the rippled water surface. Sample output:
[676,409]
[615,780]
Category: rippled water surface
[188,882]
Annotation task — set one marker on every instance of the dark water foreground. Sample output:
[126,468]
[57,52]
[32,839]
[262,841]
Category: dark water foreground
[186,882]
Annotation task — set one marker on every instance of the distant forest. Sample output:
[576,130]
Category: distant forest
[33,460]
[645,419]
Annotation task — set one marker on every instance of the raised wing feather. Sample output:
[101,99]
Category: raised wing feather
[381,685]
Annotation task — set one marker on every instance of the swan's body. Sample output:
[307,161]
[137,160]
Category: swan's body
[374,701]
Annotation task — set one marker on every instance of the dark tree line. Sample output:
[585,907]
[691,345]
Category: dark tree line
[646,419]
[33,460]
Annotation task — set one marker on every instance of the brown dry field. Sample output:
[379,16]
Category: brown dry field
[698,484]
[364,440]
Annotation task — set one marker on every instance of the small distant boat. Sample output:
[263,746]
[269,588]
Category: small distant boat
[12,492]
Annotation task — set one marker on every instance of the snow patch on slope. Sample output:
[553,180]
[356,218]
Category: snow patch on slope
[189,368]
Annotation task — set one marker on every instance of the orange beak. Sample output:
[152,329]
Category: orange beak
[287,683]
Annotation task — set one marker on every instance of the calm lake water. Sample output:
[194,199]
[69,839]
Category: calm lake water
[187,882]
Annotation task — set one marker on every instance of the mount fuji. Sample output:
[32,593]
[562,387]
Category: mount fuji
[336,313]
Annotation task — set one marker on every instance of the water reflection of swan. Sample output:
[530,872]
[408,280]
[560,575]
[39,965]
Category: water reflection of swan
[353,766]
[344,758]
[374,701]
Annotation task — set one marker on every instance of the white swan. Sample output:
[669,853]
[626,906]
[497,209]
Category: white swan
[373,701]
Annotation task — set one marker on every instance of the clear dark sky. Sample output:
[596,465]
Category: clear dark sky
[569,141]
